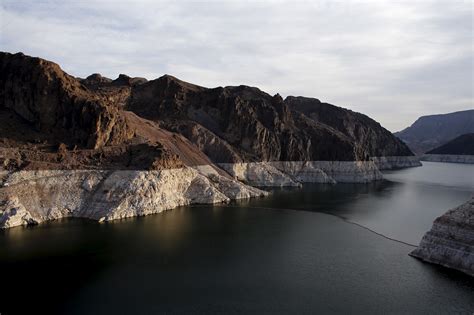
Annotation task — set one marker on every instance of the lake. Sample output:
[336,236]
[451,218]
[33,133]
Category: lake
[320,249]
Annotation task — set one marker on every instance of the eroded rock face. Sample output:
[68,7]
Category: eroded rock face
[259,174]
[253,126]
[208,142]
[222,125]
[369,137]
[331,171]
[35,196]
[296,173]
[51,120]
[13,213]
[450,242]
[57,104]
[395,162]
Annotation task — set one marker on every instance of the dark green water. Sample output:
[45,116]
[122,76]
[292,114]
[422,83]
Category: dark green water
[297,251]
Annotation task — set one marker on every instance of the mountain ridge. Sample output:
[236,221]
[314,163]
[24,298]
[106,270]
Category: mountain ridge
[429,132]
[462,145]
[171,119]
[109,149]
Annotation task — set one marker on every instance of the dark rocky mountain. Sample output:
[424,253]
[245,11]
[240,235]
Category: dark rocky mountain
[368,135]
[51,119]
[238,123]
[429,132]
[246,123]
[462,145]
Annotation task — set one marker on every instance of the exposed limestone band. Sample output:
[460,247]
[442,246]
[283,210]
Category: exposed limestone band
[30,197]
[395,162]
[450,242]
[294,173]
[448,158]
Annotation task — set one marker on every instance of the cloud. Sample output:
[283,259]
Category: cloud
[392,60]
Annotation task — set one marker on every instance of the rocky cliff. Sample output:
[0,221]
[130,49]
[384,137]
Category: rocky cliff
[57,105]
[395,162]
[245,123]
[294,173]
[450,242]
[429,132]
[31,197]
[369,137]
[123,135]
[241,123]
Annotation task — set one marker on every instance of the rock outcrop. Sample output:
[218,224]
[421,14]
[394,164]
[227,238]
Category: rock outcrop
[395,162]
[31,197]
[57,104]
[295,173]
[252,126]
[450,242]
[369,137]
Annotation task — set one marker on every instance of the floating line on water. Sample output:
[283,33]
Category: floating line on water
[370,230]
[334,215]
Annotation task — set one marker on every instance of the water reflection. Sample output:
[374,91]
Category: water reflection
[402,207]
[445,175]
[249,256]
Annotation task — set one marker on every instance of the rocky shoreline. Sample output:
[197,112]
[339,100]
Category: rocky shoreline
[108,149]
[448,158]
[395,162]
[450,242]
[294,173]
[32,197]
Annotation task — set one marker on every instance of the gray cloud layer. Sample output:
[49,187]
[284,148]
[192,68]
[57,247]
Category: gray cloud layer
[392,60]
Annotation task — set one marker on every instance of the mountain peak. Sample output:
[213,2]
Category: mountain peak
[429,132]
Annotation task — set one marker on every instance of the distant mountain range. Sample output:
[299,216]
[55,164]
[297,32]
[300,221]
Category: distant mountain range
[430,132]
[462,145]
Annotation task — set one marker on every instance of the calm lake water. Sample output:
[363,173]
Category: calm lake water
[320,249]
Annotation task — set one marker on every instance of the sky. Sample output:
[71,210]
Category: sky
[392,60]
